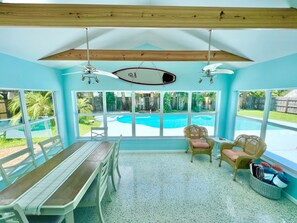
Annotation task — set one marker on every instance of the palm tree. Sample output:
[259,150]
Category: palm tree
[83,106]
[38,104]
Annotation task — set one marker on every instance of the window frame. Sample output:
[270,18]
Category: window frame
[134,114]
[26,123]
[289,166]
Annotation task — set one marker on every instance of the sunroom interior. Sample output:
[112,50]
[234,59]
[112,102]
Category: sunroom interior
[43,96]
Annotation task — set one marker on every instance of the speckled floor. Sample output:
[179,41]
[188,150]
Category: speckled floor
[167,187]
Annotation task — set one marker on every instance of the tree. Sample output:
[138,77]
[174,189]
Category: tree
[83,106]
[38,104]
[110,101]
[167,102]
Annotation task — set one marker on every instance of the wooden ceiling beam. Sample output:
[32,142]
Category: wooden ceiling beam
[77,15]
[146,55]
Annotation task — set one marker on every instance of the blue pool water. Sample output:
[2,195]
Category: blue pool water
[34,127]
[170,121]
[178,121]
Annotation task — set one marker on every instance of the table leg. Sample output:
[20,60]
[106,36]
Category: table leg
[69,217]
[216,150]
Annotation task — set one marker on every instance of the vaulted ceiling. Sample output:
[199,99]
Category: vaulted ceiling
[258,45]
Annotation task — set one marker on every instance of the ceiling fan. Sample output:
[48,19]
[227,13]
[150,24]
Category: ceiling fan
[210,70]
[90,72]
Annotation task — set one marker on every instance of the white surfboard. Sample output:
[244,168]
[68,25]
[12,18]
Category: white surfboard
[146,76]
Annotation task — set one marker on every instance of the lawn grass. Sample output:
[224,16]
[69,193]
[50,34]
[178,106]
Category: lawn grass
[85,128]
[273,115]
[9,143]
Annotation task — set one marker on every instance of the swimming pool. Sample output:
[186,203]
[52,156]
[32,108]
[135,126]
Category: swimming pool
[34,127]
[179,121]
[170,121]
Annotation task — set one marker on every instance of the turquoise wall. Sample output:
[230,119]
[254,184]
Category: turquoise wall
[187,80]
[19,74]
[280,73]
[275,74]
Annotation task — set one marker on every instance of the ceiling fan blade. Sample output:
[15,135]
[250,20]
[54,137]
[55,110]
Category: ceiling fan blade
[75,72]
[105,73]
[222,71]
[211,67]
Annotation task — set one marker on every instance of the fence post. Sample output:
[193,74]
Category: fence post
[287,103]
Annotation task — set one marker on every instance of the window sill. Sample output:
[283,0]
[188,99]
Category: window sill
[288,166]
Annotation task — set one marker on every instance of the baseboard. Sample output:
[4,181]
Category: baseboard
[286,195]
[152,151]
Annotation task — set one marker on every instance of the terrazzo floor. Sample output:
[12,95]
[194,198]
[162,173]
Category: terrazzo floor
[167,187]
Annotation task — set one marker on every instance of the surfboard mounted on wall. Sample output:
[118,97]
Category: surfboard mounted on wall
[146,76]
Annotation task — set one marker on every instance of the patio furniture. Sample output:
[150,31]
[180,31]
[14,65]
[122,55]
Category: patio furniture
[98,133]
[16,165]
[198,140]
[51,146]
[242,151]
[63,185]
[15,214]
[98,188]
[114,165]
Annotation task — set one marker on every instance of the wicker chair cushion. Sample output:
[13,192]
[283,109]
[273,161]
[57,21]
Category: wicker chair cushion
[234,154]
[198,143]
[277,168]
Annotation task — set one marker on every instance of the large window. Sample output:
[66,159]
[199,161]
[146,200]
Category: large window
[175,102]
[147,102]
[203,102]
[12,128]
[281,130]
[145,113]
[250,113]
[90,112]
[119,101]
[41,115]
[174,125]
[203,109]
[89,102]
[147,108]
[274,119]
[26,118]
[119,125]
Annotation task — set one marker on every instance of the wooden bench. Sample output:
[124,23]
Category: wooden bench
[16,165]
[51,146]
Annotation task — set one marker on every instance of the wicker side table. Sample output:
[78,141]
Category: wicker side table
[265,189]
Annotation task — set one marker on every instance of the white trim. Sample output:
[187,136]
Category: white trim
[289,197]
[25,116]
[134,114]
[42,120]
[11,127]
[287,169]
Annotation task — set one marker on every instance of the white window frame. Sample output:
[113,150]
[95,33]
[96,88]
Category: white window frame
[26,123]
[264,122]
[134,114]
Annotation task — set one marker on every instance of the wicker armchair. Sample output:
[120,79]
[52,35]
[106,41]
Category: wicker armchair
[242,151]
[198,140]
